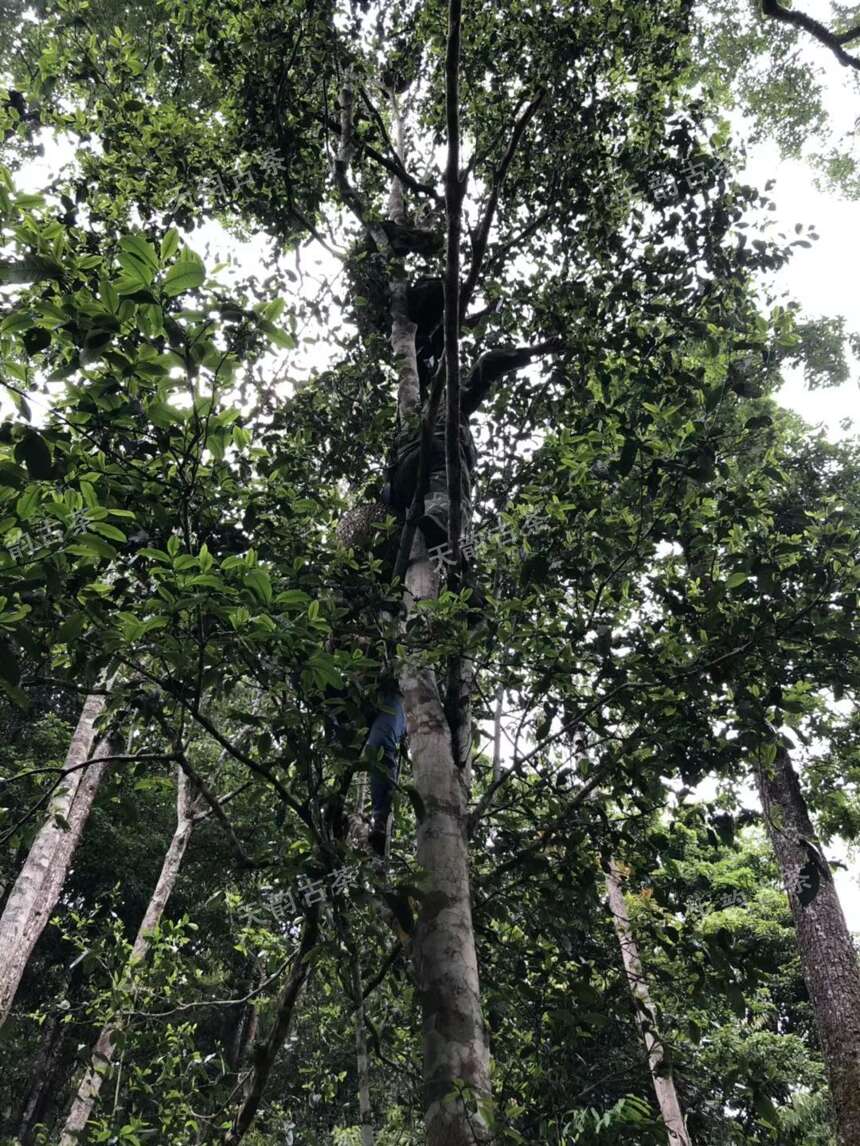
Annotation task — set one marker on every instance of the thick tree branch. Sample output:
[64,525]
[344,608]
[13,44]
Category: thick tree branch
[61,772]
[501,253]
[495,363]
[560,823]
[341,162]
[831,40]
[392,166]
[489,367]
[479,247]
[255,766]
[416,509]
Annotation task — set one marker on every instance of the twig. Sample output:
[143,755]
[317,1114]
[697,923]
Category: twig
[479,246]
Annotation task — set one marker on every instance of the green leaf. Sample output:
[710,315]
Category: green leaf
[186,273]
[10,669]
[106,530]
[36,339]
[87,544]
[138,252]
[11,475]
[71,628]
[258,580]
[735,579]
[169,244]
[279,337]
[290,598]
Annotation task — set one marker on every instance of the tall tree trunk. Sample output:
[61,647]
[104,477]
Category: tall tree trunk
[41,879]
[244,1029]
[457,1090]
[456,1050]
[497,733]
[266,1052]
[91,1083]
[646,1018]
[827,953]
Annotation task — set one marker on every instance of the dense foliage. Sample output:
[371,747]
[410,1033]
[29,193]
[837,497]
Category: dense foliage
[668,565]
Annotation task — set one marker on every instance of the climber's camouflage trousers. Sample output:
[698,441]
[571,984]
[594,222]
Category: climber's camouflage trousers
[403,473]
[436,504]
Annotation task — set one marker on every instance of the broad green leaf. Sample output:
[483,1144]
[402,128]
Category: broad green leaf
[186,273]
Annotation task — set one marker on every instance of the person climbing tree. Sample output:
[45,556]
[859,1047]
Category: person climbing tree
[386,732]
[362,527]
[402,470]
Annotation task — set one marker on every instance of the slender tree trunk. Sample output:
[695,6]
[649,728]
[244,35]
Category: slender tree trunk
[43,1076]
[41,879]
[457,1088]
[362,1062]
[91,1083]
[244,1029]
[646,1020]
[827,952]
[266,1052]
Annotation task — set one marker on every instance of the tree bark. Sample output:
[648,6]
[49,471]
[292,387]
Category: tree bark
[94,1076]
[41,879]
[646,1018]
[827,953]
[244,1030]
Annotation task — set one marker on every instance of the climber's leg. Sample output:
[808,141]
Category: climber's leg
[386,732]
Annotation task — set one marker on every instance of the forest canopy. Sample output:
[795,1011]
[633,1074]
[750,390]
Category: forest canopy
[428,642]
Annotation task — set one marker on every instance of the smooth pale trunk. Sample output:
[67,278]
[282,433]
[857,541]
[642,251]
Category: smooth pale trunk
[103,1052]
[661,1076]
[827,953]
[456,1051]
[40,881]
[362,1062]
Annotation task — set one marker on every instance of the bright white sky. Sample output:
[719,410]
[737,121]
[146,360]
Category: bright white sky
[819,279]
